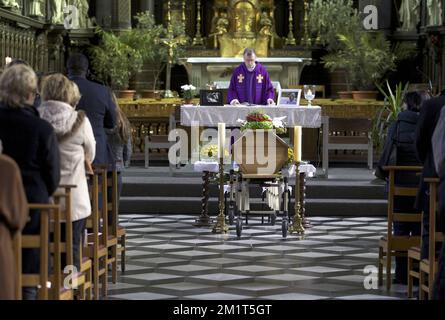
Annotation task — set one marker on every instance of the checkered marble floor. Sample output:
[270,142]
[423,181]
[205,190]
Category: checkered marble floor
[169,258]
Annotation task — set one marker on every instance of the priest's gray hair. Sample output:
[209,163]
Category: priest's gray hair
[249,52]
[17,83]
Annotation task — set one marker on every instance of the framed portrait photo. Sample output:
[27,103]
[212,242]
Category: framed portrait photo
[211,98]
[289,97]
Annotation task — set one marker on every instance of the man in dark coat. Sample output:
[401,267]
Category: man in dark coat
[429,115]
[401,135]
[427,124]
[32,143]
[97,102]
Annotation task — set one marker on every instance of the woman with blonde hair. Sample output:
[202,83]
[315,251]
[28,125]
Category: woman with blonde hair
[32,143]
[120,144]
[76,143]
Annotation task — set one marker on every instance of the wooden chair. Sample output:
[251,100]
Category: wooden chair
[17,249]
[112,227]
[41,242]
[83,277]
[96,248]
[428,267]
[56,247]
[392,245]
[414,254]
[363,141]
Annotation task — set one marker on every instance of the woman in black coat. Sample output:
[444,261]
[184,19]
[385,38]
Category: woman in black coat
[32,143]
[401,136]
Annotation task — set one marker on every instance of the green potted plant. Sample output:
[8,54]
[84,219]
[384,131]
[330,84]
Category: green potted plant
[114,62]
[388,114]
[188,93]
[146,38]
[327,19]
[366,57]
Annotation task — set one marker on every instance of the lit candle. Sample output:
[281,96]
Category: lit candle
[309,93]
[8,60]
[221,139]
[297,143]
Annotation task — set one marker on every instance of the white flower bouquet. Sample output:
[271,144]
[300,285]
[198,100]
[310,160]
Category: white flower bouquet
[188,91]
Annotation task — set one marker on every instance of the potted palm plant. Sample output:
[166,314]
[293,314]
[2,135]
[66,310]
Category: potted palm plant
[146,39]
[114,62]
[366,57]
[327,19]
[388,114]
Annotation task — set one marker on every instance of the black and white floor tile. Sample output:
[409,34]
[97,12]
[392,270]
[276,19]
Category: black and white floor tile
[169,258]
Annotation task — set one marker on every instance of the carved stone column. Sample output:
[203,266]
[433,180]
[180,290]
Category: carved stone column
[103,13]
[121,14]
[147,5]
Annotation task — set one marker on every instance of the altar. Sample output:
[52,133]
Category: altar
[207,70]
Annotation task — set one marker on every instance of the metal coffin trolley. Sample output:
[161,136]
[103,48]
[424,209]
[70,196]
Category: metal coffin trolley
[273,180]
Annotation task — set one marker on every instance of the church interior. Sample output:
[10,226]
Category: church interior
[228,150]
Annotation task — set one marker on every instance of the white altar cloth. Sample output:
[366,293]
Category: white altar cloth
[307,117]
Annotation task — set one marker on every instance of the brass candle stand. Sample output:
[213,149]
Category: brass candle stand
[306,38]
[220,226]
[204,219]
[290,40]
[198,40]
[297,225]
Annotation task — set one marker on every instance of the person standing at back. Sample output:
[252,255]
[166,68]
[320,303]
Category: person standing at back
[429,115]
[401,136]
[97,102]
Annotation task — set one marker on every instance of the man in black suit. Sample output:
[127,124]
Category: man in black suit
[429,115]
[98,104]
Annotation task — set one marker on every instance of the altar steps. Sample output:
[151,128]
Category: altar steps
[161,193]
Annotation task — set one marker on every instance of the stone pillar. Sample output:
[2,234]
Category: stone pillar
[147,5]
[121,14]
[103,13]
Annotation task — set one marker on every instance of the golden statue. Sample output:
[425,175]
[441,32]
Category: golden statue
[266,25]
[238,24]
[221,27]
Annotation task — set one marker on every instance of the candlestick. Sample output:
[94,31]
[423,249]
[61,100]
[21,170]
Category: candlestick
[290,40]
[221,139]
[306,38]
[297,143]
[198,40]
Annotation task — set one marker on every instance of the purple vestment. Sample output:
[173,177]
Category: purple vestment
[257,91]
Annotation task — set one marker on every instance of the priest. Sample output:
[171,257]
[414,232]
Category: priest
[250,83]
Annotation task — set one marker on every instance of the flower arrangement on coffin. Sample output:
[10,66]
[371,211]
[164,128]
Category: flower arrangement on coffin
[259,120]
[188,92]
[209,152]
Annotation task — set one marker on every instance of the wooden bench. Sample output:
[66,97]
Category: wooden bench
[346,134]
